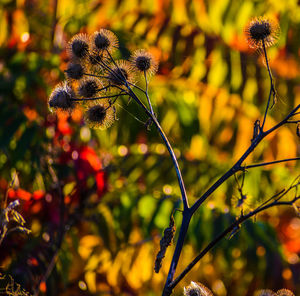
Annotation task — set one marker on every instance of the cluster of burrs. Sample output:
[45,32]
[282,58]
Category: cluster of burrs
[95,80]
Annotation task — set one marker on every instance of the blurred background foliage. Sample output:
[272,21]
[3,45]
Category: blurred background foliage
[98,201]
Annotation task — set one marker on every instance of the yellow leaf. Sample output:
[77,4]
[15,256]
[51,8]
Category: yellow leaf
[90,278]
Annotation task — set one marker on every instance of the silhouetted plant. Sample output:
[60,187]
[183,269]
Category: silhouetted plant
[96,80]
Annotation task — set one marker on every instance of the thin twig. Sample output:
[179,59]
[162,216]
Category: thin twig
[270,162]
[136,86]
[116,65]
[147,96]
[190,211]
[168,145]
[272,89]
[237,166]
[99,98]
[293,121]
[94,75]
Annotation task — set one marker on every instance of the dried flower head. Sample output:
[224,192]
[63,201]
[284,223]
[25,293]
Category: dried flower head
[196,289]
[143,61]
[89,87]
[75,71]
[165,242]
[120,73]
[284,292]
[78,47]
[61,98]
[95,59]
[265,292]
[261,31]
[100,115]
[103,40]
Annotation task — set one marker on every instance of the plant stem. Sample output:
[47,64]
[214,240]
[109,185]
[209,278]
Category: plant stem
[270,162]
[293,121]
[272,89]
[189,213]
[168,145]
[147,96]
[237,166]
[228,230]
[186,218]
[99,98]
[186,212]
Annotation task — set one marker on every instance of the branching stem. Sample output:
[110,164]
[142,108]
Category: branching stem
[269,163]
[168,145]
[227,231]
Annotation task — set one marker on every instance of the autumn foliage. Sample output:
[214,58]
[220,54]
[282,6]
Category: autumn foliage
[97,202]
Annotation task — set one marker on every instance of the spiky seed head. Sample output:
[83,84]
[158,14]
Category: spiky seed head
[143,61]
[103,40]
[284,292]
[75,71]
[196,289]
[262,30]
[99,116]
[61,98]
[264,292]
[120,73]
[89,87]
[95,58]
[78,47]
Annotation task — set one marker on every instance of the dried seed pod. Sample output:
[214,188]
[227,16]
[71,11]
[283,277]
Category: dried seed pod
[261,31]
[104,40]
[166,241]
[78,47]
[89,87]
[196,289]
[120,73]
[143,61]
[75,71]
[100,115]
[284,292]
[62,98]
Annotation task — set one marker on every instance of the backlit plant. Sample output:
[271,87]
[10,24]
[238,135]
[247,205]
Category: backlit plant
[95,81]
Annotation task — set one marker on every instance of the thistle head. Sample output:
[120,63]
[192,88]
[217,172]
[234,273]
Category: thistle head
[261,31]
[96,58]
[284,292]
[62,98]
[75,71]
[78,47]
[89,87]
[104,40]
[196,289]
[120,73]
[99,115]
[143,61]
